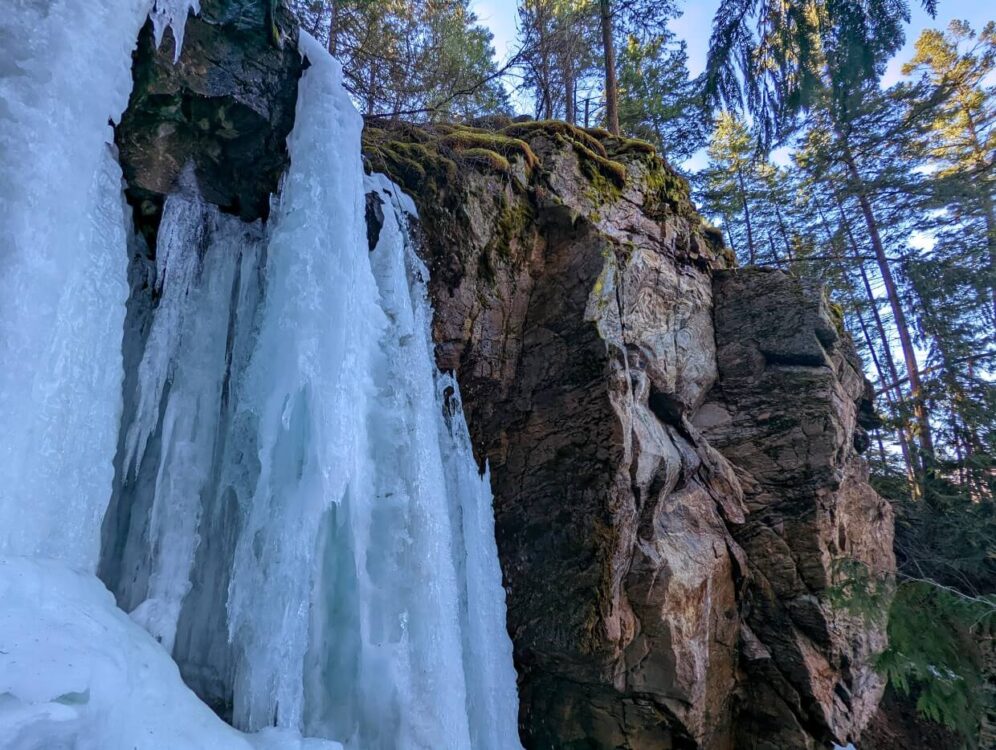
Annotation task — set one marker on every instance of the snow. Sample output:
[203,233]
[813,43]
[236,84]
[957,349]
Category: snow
[76,673]
[298,526]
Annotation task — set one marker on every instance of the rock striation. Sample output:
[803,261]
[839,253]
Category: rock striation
[789,409]
[674,443]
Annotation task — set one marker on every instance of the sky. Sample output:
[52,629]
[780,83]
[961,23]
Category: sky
[695,26]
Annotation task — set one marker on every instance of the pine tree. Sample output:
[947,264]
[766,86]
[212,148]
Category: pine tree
[960,141]
[730,184]
[657,101]
[777,58]
[557,53]
[420,59]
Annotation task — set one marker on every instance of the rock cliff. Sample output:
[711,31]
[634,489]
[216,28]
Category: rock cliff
[674,443]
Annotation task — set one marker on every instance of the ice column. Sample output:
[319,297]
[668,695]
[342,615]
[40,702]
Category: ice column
[307,386]
[181,399]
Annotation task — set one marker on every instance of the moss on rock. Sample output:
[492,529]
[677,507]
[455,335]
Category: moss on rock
[557,127]
[667,191]
[713,237]
[486,158]
[463,138]
[423,160]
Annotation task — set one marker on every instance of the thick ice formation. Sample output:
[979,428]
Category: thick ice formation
[296,514]
[355,550]
[62,269]
[485,649]
[76,673]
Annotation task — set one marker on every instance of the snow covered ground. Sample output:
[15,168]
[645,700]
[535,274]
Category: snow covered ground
[77,673]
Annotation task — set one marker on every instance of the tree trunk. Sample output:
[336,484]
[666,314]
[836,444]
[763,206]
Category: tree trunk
[611,85]
[570,105]
[899,316]
[371,84]
[893,395]
[981,159]
[778,261]
[729,233]
[990,217]
[751,255]
[333,26]
[784,233]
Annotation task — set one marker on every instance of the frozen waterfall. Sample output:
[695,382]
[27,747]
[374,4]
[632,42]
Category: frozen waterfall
[254,448]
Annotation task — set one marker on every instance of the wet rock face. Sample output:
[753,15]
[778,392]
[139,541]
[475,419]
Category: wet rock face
[787,410]
[225,107]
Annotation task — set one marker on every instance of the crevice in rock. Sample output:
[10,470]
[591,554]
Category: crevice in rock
[667,407]
[795,359]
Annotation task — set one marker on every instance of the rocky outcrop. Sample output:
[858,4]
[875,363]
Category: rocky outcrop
[224,107]
[581,344]
[674,447]
[789,409]
[674,444]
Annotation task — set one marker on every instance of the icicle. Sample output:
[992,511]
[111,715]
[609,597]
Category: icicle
[350,603]
[172,14]
[492,701]
[178,260]
[187,346]
[426,460]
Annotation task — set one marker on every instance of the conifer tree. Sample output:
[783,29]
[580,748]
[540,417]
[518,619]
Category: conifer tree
[730,182]
[657,100]
[776,58]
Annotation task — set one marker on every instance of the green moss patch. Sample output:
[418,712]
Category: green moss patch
[407,155]
[486,158]
[557,127]
[600,133]
[465,138]
[424,161]
[621,145]
[667,191]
